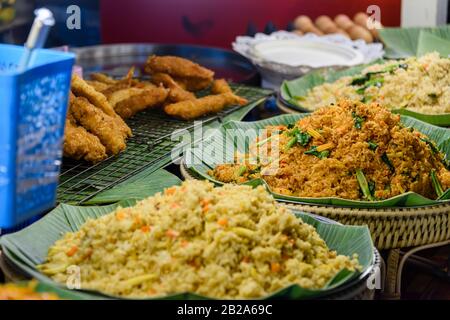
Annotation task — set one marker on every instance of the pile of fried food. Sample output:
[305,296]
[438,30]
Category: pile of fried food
[349,150]
[181,78]
[94,130]
[95,126]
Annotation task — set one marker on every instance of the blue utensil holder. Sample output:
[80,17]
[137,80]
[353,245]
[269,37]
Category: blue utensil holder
[32,118]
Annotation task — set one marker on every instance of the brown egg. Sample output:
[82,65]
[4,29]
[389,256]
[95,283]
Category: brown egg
[298,32]
[343,21]
[358,32]
[361,19]
[325,24]
[343,32]
[302,23]
[314,30]
[305,25]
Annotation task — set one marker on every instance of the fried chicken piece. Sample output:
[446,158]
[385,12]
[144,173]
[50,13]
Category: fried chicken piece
[98,123]
[193,109]
[122,94]
[83,89]
[146,98]
[176,92]
[101,77]
[114,88]
[124,83]
[97,85]
[144,85]
[80,144]
[177,67]
[193,84]
[220,86]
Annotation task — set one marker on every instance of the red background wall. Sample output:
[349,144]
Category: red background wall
[218,22]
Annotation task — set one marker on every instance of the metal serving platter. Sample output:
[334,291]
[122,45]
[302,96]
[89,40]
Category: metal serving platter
[116,59]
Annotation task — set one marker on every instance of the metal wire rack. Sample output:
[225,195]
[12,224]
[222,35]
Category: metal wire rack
[150,146]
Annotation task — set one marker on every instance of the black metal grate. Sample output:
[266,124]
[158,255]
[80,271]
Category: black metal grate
[150,146]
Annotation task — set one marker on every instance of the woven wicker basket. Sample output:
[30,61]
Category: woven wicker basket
[390,227]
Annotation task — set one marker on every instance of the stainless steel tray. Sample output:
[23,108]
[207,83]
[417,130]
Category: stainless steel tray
[116,59]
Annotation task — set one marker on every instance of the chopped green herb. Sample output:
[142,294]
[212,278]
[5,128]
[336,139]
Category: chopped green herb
[290,143]
[256,170]
[431,145]
[366,99]
[358,120]
[293,132]
[372,145]
[364,78]
[377,82]
[241,171]
[303,138]
[372,187]
[291,125]
[446,163]
[360,80]
[388,162]
[436,184]
[312,150]
[324,154]
[360,90]
[321,155]
[364,185]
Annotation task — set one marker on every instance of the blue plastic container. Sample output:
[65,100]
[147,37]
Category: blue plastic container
[32,117]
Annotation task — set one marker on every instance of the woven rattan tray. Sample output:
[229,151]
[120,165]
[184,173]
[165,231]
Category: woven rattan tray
[390,227]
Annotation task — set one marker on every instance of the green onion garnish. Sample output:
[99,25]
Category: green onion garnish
[372,145]
[436,184]
[431,145]
[364,185]
[290,143]
[321,155]
[241,171]
[388,162]
[358,120]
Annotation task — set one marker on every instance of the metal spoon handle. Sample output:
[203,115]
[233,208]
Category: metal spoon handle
[38,34]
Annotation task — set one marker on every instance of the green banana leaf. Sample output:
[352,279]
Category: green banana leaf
[291,90]
[28,248]
[221,147]
[429,42]
[138,187]
[404,42]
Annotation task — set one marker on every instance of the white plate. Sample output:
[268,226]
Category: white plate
[296,53]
